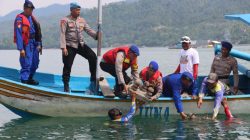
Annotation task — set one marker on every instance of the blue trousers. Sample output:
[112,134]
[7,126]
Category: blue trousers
[30,62]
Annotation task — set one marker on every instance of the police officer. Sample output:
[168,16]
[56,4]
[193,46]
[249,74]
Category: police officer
[28,38]
[72,43]
[116,61]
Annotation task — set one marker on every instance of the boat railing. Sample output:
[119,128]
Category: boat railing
[237,54]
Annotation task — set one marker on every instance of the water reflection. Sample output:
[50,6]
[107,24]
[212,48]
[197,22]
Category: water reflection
[122,130]
[180,130]
[138,128]
[6,116]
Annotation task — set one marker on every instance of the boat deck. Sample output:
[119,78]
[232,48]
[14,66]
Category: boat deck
[79,85]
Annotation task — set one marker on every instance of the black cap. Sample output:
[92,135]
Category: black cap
[28,4]
[227,45]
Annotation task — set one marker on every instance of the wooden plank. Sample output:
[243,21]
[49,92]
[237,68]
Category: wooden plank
[105,88]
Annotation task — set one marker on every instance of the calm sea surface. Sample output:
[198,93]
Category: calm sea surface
[14,127]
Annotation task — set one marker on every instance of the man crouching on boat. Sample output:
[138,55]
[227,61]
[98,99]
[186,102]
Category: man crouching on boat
[213,87]
[174,84]
[116,61]
[116,115]
[150,83]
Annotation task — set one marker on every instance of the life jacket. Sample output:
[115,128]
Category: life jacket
[110,57]
[153,78]
[26,28]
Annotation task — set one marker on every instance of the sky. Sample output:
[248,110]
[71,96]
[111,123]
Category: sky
[6,6]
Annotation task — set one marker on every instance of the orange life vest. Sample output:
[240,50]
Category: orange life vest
[25,28]
[153,78]
[110,57]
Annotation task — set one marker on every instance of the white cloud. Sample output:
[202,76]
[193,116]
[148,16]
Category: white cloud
[7,6]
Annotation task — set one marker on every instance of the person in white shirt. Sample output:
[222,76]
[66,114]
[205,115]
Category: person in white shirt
[189,61]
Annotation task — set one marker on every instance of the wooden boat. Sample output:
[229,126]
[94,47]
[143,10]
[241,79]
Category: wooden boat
[47,99]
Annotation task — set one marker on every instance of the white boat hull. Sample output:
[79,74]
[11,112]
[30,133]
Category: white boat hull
[45,103]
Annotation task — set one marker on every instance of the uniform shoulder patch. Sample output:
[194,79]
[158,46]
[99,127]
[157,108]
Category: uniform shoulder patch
[18,23]
[63,21]
[81,20]
[217,58]
[126,60]
[232,58]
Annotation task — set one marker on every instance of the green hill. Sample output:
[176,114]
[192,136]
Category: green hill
[153,23]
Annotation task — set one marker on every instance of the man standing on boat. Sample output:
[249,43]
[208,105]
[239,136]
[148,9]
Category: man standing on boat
[189,61]
[72,43]
[213,87]
[173,86]
[223,65]
[28,38]
[116,62]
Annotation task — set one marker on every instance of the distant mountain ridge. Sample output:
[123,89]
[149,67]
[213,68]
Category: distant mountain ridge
[51,10]
[10,15]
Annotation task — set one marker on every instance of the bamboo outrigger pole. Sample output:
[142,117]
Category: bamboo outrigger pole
[99,43]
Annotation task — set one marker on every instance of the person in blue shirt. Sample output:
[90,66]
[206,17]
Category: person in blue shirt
[28,38]
[116,115]
[174,84]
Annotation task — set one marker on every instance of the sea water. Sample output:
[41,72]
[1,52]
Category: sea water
[151,127]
